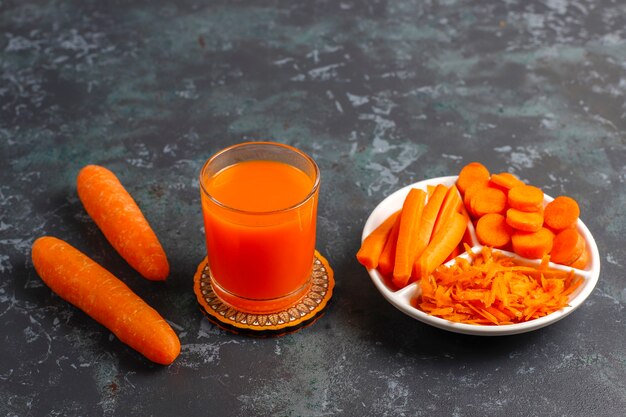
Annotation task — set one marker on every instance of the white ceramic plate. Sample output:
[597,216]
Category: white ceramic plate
[403,299]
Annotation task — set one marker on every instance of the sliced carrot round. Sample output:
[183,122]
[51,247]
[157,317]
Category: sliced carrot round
[506,180]
[526,198]
[526,221]
[532,245]
[492,230]
[561,213]
[471,191]
[568,246]
[471,173]
[488,200]
[582,261]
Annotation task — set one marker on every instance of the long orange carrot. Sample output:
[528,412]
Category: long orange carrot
[441,245]
[82,282]
[121,221]
[369,253]
[407,236]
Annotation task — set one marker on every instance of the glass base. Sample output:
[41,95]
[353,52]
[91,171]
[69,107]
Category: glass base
[300,313]
[257,306]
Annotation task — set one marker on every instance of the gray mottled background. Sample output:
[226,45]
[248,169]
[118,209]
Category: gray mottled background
[381,94]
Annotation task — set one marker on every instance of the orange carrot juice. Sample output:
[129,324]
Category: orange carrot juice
[259,218]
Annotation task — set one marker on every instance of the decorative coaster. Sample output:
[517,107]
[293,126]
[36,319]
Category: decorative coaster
[301,314]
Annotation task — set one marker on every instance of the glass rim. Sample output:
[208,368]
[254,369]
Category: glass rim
[314,188]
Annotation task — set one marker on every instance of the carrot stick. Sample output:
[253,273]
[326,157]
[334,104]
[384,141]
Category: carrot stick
[407,236]
[526,198]
[471,173]
[451,203]
[121,221]
[561,213]
[493,230]
[526,221]
[429,217]
[568,246]
[371,248]
[458,249]
[84,283]
[466,242]
[488,200]
[441,245]
[388,255]
[532,245]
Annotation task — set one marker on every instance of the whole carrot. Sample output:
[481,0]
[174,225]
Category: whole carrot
[122,222]
[82,282]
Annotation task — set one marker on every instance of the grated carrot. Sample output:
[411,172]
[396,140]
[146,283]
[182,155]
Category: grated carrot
[492,289]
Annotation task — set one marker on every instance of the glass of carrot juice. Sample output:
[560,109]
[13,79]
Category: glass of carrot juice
[259,203]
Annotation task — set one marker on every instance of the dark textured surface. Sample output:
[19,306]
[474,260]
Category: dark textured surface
[381,94]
